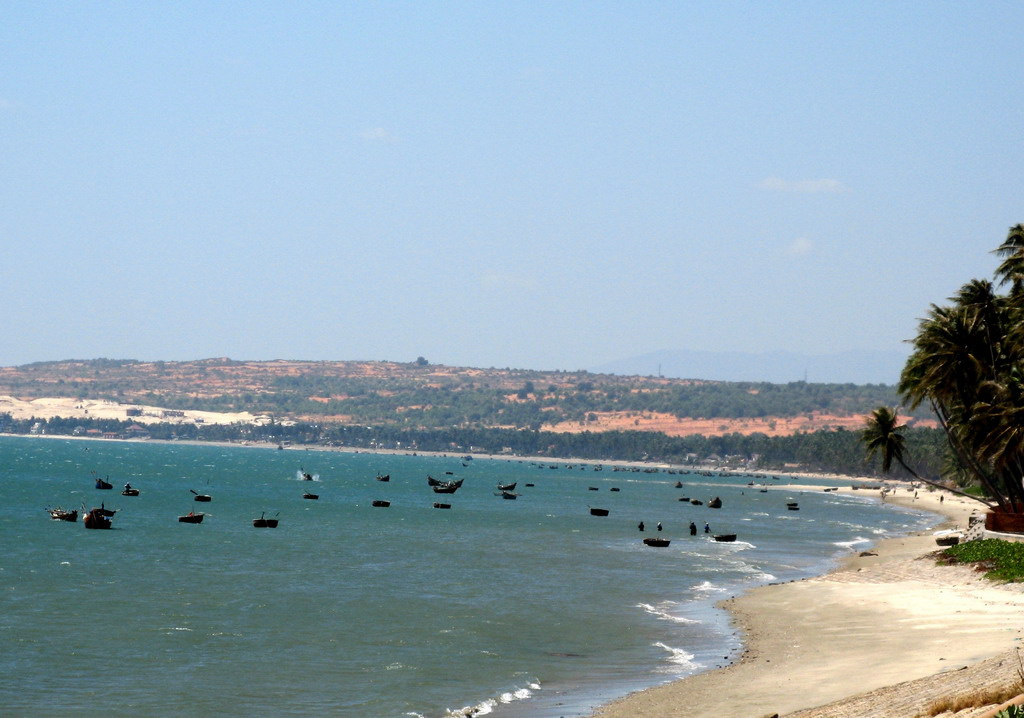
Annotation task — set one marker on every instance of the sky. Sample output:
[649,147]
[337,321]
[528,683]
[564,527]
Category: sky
[541,185]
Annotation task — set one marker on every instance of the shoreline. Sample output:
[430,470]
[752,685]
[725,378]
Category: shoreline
[878,619]
[885,634]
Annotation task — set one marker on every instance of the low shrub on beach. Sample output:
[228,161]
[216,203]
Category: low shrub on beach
[1001,560]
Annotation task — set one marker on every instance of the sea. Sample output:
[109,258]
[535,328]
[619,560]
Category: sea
[509,608]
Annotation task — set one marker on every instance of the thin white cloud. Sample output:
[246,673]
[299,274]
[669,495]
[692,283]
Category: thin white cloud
[814,186]
[800,247]
[377,134]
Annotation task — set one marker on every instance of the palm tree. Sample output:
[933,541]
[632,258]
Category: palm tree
[1011,269]
[883,433]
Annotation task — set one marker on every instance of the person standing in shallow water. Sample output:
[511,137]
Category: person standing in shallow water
[707,529]
[641,526]
[693,529]
[659,525]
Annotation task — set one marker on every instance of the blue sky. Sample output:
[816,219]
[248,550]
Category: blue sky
[545,185]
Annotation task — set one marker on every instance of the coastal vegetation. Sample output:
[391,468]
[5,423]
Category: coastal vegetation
[1000,560]
[835,451]
[966,365]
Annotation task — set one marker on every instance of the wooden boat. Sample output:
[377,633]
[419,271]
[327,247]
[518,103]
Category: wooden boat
[59,514]
[130,492]
[715,503]
[191,518]
[201,497]
[313,497]
[438,505]
[593,488]
[679,484]
[444,487]
[529,485]
[97,519]
[696,502]
[508,487]
[101,484]
[508,495]
[264,523]
[657,542]
[598,512]
[950,540]
[381,504]
[793,506]
[383,477]
[725,538]
[614,488]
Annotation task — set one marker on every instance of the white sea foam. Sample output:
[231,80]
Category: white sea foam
[708,587]
[487,706]
[852,542]
[678,657]
[661,612]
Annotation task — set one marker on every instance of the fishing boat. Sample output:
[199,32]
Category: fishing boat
[679,484]
[444,487]
[201,497]
[438,505]
[191,518]
[793,506]
[598,512]
[383,477]
[59,514]
[264,523]
[724,538]
[310,496]
[696,502]
[593,488]
[381,504]
[508,487]
[97,519]
[101,484]
[508,495]
[715,503]
[130,492]
[614,488]
[657,542]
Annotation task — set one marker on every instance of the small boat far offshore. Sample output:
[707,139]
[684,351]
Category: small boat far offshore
[264,523]
[657,542]
[191,518]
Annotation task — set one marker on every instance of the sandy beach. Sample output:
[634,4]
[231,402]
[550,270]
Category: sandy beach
[885,635]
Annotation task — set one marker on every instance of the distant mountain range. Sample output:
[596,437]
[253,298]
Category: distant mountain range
[852,367]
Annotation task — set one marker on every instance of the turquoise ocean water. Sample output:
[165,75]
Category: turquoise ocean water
[530,607]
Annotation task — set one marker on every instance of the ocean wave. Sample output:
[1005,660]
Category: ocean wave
[487,706]
[678,657]
[852,542]
[661,612]
[708,587]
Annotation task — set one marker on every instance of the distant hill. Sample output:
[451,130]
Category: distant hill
[420,395]
[853,367]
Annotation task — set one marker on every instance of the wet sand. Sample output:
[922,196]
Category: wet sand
[859,638]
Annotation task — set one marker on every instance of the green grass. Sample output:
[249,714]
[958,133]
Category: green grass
[1001,560]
